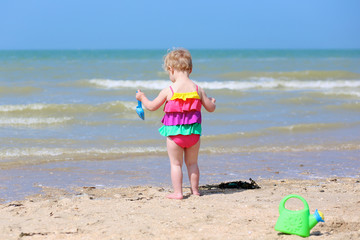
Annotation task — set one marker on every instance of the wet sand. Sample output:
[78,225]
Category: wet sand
[143,212]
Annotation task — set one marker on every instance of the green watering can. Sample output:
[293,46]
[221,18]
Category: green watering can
[297,222]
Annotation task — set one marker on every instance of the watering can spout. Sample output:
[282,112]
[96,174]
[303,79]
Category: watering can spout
[316,218]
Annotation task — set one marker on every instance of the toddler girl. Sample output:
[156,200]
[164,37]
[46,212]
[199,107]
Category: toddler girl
[182,120]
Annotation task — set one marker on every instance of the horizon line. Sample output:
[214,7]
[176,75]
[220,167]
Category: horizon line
[156,49]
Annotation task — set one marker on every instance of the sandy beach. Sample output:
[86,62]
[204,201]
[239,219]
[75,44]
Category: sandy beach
[143,212]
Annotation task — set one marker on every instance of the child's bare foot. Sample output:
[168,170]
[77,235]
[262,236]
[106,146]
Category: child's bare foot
[196,193]
[178,196]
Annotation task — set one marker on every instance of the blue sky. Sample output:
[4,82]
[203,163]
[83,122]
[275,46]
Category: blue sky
[135,24]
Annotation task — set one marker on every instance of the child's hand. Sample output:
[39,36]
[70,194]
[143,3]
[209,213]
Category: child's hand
[213,100]
[139,95]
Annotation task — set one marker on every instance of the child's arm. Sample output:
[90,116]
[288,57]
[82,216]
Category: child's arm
[156,103]
[207,102]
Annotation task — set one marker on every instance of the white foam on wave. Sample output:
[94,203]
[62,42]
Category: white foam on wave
[151,84]
[103,153]
[54,152]
[259,83]
[344,93]
[13,108]
[279,149]
[128,105]
[36,152]
[42,108]
[320,84]
[273,84]
[33,121]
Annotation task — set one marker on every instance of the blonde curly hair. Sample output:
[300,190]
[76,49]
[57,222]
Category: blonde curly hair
[178,59]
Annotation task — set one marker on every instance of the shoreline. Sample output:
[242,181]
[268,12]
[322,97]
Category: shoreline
[143,212]
[17,183]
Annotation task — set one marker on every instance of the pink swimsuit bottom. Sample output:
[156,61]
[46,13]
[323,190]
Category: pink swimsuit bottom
[186,141]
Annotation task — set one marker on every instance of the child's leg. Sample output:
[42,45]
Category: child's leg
[191,161]
[176,161]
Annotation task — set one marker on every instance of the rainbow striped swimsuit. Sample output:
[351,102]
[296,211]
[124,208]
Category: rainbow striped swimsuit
[182,114]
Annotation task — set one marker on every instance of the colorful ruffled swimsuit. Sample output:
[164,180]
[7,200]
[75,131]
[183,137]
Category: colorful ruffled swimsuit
[182,119]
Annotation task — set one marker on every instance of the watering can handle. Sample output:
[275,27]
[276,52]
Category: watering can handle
[283,201]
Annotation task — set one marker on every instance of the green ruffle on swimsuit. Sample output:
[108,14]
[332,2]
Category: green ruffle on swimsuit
[180,129]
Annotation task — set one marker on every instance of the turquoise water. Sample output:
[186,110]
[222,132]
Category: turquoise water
[72,106]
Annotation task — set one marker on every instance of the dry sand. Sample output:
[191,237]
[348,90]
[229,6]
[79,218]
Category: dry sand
[145,213]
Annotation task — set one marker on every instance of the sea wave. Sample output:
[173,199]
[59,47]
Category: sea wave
[352,146]
[296,128]
[148,84]
[296,75]
[31,121]
[280,84]
[41,114]
[307,127]
[10,157]
[263,83]
[343,93]
[354,107]
[51,152]
[37,155]
[19,90]
[20,108]
[43,108]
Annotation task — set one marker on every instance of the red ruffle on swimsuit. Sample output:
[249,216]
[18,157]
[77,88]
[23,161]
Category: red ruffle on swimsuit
[182,119]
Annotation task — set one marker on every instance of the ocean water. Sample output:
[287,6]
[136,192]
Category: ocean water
[72,107]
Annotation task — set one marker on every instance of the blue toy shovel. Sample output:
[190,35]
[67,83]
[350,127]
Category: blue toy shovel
[140,110]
